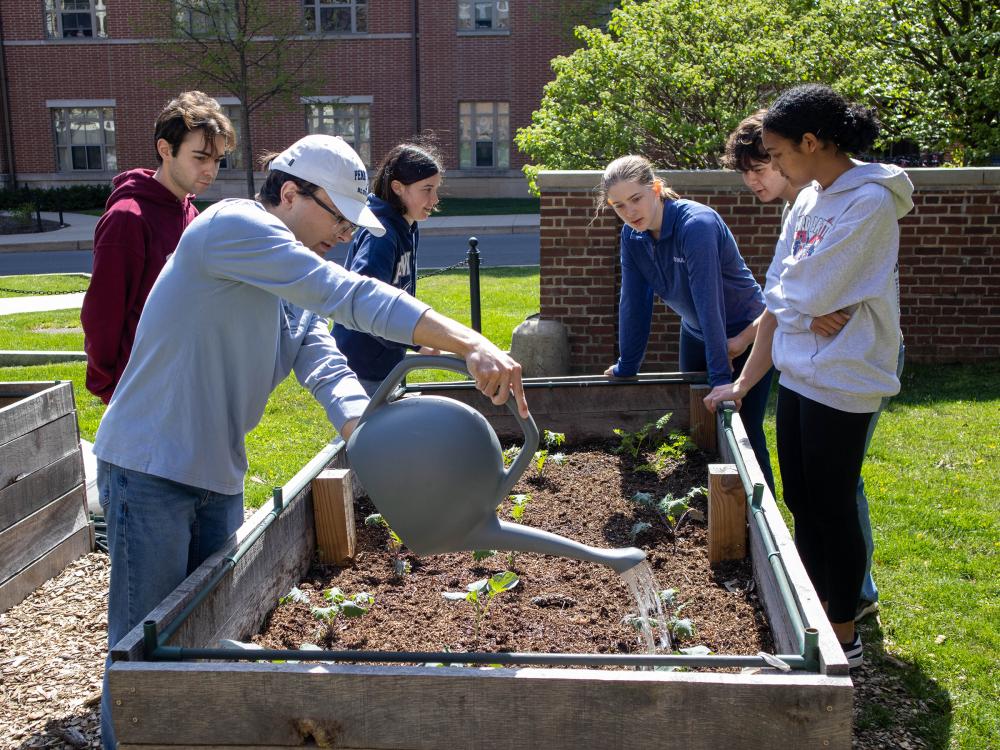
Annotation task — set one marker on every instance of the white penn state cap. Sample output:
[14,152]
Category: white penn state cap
[330,163]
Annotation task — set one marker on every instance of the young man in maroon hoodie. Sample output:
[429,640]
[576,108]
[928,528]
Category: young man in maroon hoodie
[146,214]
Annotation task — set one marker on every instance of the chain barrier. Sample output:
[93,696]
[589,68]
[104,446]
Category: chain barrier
[39,292]
[438,271]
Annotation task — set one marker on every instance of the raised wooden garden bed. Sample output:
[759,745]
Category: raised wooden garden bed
[382,705]
[43,500]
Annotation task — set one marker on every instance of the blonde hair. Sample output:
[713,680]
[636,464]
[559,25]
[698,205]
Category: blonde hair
[631,168]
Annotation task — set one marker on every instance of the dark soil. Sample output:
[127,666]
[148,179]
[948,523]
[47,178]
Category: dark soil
[560,605]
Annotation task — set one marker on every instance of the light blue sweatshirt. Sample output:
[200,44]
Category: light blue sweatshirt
[224,324]
[838,251]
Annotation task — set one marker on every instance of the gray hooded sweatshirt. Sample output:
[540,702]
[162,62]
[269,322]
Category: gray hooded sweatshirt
[838,251]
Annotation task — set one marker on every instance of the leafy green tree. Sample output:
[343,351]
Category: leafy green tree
[947,52]
[671,78]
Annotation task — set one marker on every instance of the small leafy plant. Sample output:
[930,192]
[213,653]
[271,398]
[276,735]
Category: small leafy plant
[551,440]
[482,592]
[400,565]
[342,604]
[631,443]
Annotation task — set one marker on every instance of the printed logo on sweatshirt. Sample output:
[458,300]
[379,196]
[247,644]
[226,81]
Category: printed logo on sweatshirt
[679,260]
[403,269]
[809,233]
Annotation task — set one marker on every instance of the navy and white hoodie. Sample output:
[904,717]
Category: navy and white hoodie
[391,258]
[838,251]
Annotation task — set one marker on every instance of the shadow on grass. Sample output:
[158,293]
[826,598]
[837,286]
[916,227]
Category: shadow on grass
[929,383]
[895,703]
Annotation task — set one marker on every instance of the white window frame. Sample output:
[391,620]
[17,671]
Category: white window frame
[469,112]
[102,138]
[357,25]
[198,18]
[56,13]
[472,16]
[322,113]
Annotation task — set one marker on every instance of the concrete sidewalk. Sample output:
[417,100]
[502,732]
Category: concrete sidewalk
[79,232]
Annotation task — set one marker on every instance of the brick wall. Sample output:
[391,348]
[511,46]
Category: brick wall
[128,67]
[949,263]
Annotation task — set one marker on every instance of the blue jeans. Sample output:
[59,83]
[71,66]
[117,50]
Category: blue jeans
[692,359]
[869,590]
[159,531]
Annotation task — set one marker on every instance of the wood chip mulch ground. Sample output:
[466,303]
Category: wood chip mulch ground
[52,648]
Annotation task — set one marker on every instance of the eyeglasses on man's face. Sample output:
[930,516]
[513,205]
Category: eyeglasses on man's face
[342,222]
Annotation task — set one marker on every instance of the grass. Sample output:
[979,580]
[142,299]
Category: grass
[933,478]
[62,283]
[56,330]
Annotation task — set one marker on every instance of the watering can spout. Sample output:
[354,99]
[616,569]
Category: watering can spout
[500,535]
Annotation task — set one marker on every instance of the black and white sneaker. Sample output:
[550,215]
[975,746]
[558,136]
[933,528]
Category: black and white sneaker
[865,608]
[854,652]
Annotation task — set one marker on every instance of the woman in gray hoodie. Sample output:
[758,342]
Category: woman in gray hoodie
[832,329]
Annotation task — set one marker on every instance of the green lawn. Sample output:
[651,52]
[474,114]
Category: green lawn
[21,286]
[933,478]
[57,330]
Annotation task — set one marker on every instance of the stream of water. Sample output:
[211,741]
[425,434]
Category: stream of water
[651,616]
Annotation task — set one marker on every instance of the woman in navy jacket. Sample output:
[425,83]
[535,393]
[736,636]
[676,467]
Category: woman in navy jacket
[405,191]
[682,252]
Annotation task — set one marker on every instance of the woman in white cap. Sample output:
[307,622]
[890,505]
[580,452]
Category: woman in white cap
[225,323]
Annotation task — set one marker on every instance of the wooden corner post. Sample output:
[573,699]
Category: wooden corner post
[702,421]
[333,507]
[727,518]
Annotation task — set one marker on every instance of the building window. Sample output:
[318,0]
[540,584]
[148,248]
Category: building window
[200,19]
[234,159]
[352,122]
[67,19]
[485,134]
[336,16]
[85,138]
[483,16]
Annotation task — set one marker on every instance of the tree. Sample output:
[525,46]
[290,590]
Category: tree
[948,96]
[671,78]
[255,50]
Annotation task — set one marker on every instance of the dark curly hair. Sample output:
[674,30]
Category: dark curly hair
[744,148]
[817,109]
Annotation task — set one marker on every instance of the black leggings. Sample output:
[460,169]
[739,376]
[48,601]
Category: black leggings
[820,451]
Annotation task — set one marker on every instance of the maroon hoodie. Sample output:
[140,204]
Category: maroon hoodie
[137,233]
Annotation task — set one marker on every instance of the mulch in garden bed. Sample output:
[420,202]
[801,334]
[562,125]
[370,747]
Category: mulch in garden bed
[559,605]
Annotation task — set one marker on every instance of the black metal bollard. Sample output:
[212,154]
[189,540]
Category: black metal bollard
[38,217]
[477,323]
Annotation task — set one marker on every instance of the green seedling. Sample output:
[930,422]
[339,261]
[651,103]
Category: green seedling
[481,593]
[551,440]
[481,554]
[520,504]
[632,442]
[678,627]
[295,596]
[638,528]
[400,565]
[341,604]
[510,454]
[675,445]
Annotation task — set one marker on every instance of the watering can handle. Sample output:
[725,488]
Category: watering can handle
[440,362]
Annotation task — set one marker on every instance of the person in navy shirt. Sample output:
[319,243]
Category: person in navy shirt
[682,252]
[404,192]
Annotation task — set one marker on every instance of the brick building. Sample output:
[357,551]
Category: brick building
[83,81]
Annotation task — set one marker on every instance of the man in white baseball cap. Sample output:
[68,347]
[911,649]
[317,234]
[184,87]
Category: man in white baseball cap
[330,163]
[236,308]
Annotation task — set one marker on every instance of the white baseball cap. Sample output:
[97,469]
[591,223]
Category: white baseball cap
[330,163]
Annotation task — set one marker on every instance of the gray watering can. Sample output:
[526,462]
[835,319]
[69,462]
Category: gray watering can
[434,469]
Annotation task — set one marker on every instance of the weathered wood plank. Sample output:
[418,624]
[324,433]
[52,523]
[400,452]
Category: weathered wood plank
[702,421]
[53,562]
[29,539]
[180,704]
[22,498]
[333,506]
[38,448]
[21,389]
[237,608]
[831,655]
[727,518]
[585,411]
[32,412]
